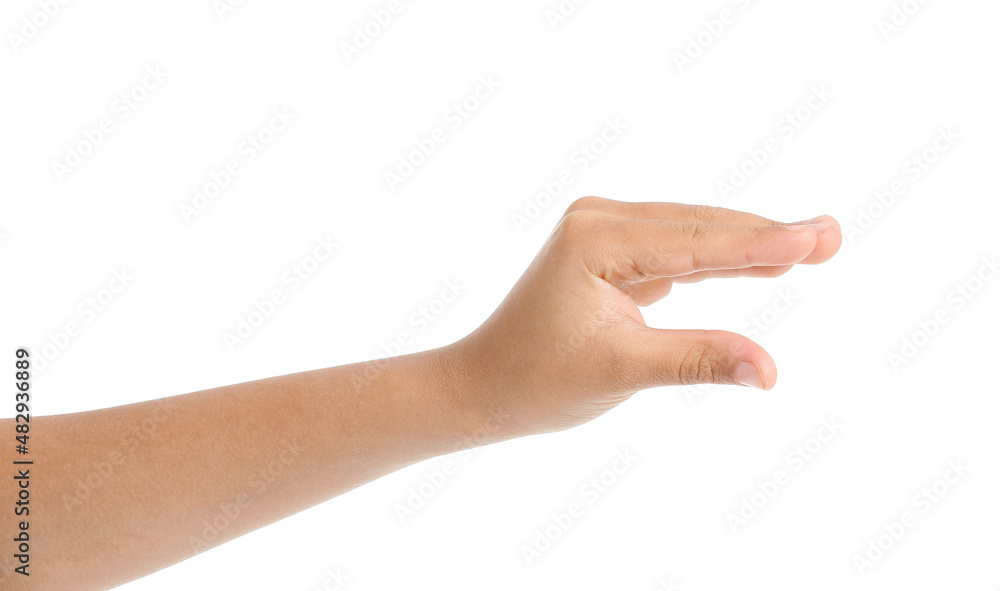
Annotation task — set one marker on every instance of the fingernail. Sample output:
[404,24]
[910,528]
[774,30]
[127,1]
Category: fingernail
[799,228]
[816,220]
[748,375]
[819,228]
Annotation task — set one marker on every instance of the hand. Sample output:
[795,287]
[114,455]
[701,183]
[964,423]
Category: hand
[569,342]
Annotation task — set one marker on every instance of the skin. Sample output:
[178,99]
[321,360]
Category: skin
[567,344]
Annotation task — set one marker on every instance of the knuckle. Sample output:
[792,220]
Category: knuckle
[585,204]
[690,239]
[707,214]
[585,235]
[700,366]
[692,232]
[577,225]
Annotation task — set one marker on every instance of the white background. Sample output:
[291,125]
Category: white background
[700,451]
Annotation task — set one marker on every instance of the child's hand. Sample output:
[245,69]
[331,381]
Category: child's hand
[569,342]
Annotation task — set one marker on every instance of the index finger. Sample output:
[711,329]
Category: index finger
[827,245]
[623,249]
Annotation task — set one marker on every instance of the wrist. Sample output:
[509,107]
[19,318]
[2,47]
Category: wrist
[477,405]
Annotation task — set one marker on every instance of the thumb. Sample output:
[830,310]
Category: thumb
[675,357]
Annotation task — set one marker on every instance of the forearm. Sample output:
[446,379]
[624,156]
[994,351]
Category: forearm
[126,491]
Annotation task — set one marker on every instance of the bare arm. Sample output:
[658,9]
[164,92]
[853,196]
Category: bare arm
[179,475]
[125,491]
